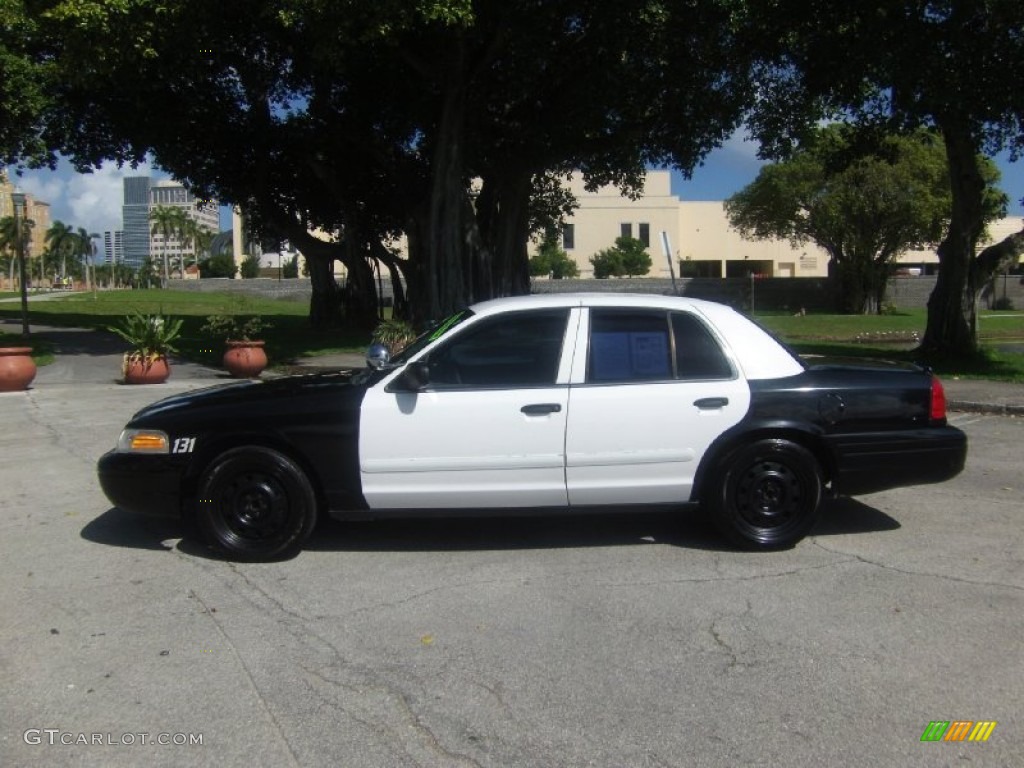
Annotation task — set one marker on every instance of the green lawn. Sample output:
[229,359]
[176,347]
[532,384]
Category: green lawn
[893,337]
[290,336]
[878,336]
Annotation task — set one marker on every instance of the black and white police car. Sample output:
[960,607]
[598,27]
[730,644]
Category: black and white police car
[541,404]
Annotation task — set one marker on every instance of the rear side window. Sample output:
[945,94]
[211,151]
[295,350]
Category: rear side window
[629,346]
[698,354]
[636,346]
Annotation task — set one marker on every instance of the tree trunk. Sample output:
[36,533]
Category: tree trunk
[952,308]
[446,283]
[503,223]
[856,287]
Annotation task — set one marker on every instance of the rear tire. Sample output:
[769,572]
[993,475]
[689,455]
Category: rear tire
[766,495]
[255,504]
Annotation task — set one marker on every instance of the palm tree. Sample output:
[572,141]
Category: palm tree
[8,244]
[168,221]
[9,239]
[87,250]
[60,242]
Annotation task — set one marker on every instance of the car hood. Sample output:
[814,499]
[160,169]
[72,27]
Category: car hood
[256,395]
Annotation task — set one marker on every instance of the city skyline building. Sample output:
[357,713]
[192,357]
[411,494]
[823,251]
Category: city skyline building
[141,195]
[113,247]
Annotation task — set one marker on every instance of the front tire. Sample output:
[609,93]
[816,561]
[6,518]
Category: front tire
[766,495]
[255,504]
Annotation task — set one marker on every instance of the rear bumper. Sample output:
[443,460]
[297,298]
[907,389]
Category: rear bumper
[879,461]
[149,485]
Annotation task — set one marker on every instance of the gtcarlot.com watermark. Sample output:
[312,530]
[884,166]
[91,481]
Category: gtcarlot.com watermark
[56,736]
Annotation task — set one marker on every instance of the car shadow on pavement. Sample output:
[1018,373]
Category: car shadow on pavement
[117,528]
[687,530]
[847,515]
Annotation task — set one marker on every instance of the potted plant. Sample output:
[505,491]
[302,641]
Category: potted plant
[17,368]
[152,338]
[393,334]
[244,357]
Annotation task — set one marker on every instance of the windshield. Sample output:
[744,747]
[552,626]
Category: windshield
[429,336]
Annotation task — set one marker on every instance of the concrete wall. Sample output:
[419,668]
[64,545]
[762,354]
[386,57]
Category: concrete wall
[780,294]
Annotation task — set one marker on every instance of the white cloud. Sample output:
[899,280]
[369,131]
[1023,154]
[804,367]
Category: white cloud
[90,200]
[743,145]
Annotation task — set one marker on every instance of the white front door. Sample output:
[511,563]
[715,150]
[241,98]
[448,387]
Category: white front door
[654,390]
[487,430]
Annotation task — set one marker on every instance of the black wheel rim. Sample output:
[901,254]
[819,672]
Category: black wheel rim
[252,507]
[769,495]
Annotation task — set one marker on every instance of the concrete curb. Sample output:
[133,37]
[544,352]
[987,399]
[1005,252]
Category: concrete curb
[992,408]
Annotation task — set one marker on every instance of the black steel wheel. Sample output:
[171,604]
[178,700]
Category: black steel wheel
[766,495]
[255,503]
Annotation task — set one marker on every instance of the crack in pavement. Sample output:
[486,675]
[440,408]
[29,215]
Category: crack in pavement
[294,761]
[907,572]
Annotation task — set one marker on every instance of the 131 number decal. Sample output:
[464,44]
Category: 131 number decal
[183,445]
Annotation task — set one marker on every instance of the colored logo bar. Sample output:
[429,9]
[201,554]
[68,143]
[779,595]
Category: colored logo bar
[958,730]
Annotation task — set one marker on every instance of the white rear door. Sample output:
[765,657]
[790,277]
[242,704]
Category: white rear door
[651,393]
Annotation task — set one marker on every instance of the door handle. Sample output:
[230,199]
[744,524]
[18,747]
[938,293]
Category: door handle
[539,409]
[709,403]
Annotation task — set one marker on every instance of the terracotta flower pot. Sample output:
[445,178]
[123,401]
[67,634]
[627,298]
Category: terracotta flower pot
[245,359]
[143,370]
[17,368]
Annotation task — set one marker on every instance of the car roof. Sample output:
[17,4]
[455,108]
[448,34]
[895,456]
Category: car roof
[539,300]
[758,354]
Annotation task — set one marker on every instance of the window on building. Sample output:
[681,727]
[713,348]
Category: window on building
[568,237]
[626,229]
[645,234]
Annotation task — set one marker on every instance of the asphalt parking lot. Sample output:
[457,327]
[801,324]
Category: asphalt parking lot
[628,640]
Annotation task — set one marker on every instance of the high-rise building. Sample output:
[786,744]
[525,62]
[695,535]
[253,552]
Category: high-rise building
[141,195]
[113,247]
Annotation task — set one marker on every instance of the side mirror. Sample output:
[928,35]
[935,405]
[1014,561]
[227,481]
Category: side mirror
[377,356]
[414,378]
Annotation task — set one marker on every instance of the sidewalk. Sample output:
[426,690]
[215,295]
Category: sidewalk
[85,356]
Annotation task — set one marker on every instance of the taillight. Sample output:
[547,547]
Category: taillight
[938,409]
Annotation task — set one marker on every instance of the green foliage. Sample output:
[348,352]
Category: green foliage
[151,336]
[447,119]
[607,263]
[25,92]
[290,268]
[877,68]
[218,265]
[862,198]
[394,334]
[250,266]
[234,327]
[551,260]
[628,258]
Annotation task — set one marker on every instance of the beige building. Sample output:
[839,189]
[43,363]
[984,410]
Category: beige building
[37,211]
[701,242]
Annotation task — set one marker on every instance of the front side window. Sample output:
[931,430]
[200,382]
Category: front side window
[513,349]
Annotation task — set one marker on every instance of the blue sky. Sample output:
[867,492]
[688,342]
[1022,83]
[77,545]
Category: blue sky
[94,200]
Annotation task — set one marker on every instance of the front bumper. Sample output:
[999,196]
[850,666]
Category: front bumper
[878,461]
[149,485]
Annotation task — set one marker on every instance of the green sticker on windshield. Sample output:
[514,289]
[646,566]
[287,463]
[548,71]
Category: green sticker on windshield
[447,324]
